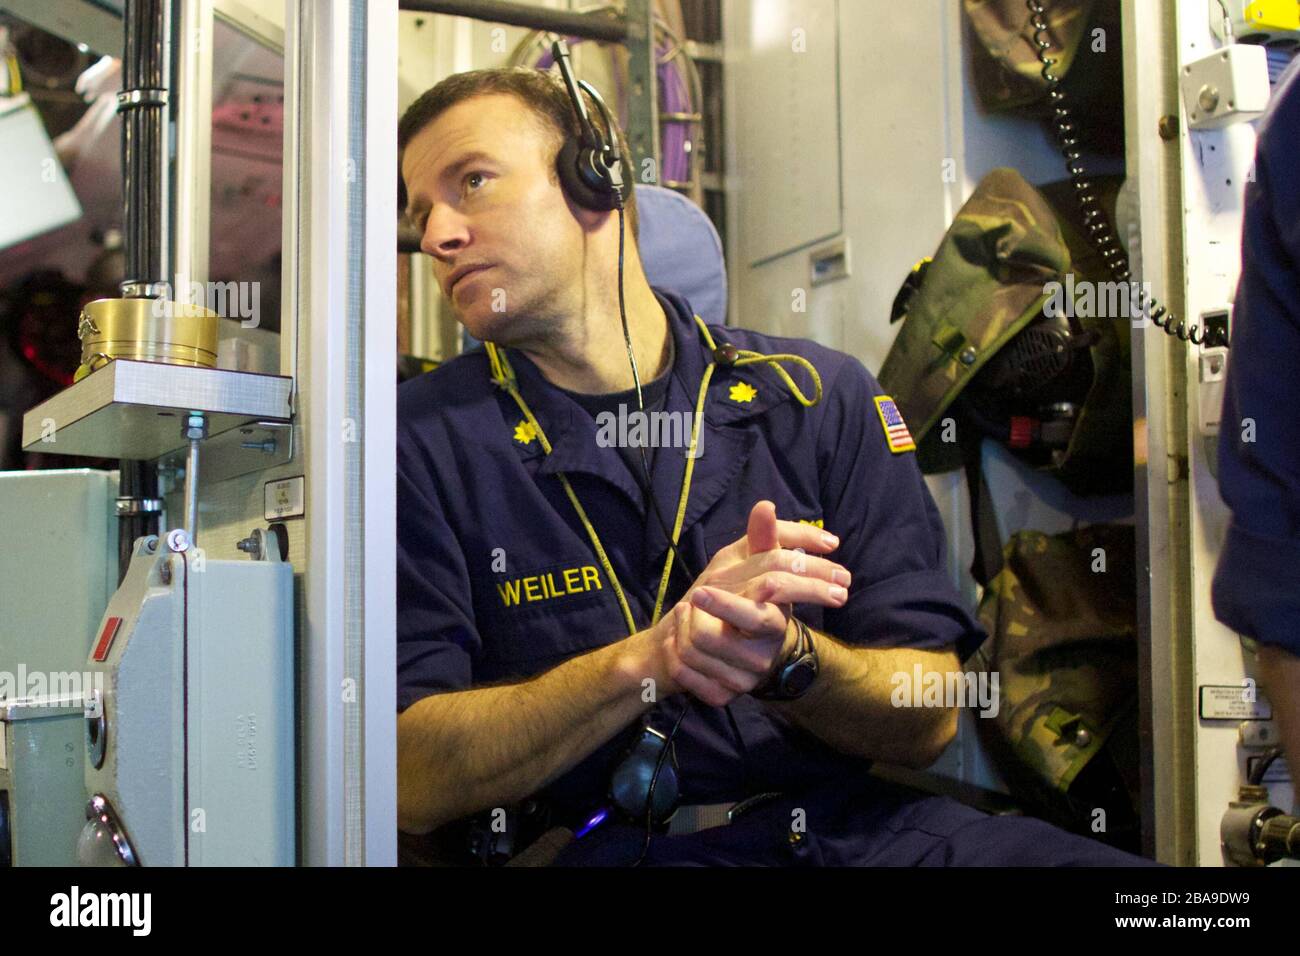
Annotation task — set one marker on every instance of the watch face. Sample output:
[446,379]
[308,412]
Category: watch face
[800,677]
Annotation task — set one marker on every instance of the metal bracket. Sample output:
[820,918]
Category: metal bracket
[1229,86]
[643,96]
[131,99]
[242,450]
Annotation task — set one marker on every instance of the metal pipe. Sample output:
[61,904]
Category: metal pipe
[138,507]
[129,525]
[609,27]
[192,492]
[643,89]
[408,237]
[635,30]
[194,431]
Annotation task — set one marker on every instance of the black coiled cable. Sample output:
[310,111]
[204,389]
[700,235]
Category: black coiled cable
[1097,228]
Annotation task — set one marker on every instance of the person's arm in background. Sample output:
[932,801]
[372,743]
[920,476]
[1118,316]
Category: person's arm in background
[1256,588]
[1279,677]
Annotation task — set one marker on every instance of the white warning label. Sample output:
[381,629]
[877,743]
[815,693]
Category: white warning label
[284,498]
[1233,702]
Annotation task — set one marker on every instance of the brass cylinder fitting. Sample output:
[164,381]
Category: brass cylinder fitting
[146,330]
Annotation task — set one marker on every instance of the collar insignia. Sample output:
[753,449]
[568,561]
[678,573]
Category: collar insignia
[742,392]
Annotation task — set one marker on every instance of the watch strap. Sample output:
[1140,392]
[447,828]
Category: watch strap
[772,688]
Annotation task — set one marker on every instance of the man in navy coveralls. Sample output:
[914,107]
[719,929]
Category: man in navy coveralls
[519,679]
[1256,588]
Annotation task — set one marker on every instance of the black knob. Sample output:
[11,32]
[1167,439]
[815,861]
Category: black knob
[725,355]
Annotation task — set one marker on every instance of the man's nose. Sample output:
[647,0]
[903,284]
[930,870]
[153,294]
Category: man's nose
[446,232]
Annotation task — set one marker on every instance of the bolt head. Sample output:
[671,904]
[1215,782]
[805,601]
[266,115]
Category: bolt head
[196,426]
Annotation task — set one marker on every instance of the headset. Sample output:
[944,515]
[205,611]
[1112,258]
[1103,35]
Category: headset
[590,169]
[593,175]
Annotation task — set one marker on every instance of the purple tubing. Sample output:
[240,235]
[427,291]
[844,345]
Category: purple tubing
[675,99]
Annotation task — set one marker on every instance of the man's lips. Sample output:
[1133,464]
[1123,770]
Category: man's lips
[465,275]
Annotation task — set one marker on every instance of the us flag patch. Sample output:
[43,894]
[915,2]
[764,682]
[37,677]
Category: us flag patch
[896,433]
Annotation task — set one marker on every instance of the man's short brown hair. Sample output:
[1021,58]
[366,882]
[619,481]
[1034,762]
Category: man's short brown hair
[543,93]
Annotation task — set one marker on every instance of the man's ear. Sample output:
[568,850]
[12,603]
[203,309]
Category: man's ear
[591,220]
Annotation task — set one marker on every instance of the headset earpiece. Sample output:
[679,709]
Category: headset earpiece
[585,176]
[590,169]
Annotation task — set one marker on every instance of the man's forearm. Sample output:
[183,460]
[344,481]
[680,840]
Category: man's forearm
[464,751]
[850,705]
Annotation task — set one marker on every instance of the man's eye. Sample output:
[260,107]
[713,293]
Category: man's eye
[474,180]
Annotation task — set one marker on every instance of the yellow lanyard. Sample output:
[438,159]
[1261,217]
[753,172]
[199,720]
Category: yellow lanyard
[504,376]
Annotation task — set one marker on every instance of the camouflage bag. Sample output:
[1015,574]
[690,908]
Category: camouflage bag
[1061,621]
[1085,37]
[1009,255]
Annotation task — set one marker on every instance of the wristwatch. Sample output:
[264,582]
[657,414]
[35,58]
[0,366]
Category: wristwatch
[796,673]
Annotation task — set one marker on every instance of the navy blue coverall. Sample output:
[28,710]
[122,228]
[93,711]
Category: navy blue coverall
[474,487]
[1256,588]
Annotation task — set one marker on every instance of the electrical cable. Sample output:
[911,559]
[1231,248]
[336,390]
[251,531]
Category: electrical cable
[1256,777]
[654,779]
[648,489]
[607,153]
[1097,228]
[1227,22]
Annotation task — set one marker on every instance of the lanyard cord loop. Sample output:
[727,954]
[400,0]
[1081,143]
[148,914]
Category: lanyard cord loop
[748,357]
[504,376]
